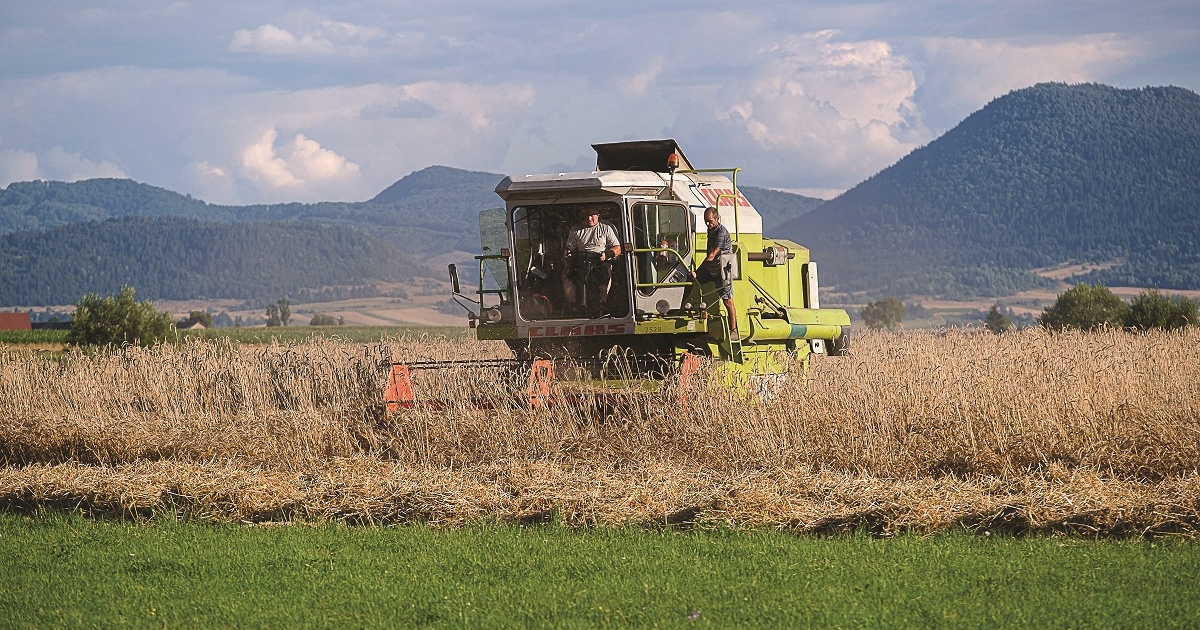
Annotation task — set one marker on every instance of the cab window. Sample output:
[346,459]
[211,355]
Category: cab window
[663,227]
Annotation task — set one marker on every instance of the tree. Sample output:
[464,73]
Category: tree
[1086,307]
[202,317]
[118,319]
[273,316]
[1152,309]
[997,321]
[886,313]
[321,319]
[285,311]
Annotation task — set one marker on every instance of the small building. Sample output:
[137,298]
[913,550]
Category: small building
[15,321]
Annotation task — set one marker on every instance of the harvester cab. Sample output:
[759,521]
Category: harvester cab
[576,265]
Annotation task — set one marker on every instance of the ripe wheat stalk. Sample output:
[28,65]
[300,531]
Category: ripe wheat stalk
[1090,432]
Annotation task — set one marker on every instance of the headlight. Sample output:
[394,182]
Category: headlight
[492,315]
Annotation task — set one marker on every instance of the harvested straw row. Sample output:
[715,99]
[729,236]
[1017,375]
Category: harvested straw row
[370,491]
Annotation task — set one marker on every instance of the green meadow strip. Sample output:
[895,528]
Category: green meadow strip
[33,336]
[66,571]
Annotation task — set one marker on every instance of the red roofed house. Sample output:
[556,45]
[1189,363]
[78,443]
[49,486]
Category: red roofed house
[15,321]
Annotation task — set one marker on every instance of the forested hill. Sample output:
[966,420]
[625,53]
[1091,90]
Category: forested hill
[1040,176]
[430,211]
[173,258]
[778,207]
[43,205]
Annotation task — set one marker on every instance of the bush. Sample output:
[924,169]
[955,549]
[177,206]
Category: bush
[321,319]
[997,321]
[204,318]
[1152,309]
[119,319]
[1086,307]
[886,313]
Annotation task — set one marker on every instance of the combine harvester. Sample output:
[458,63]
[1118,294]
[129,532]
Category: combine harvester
[637,309]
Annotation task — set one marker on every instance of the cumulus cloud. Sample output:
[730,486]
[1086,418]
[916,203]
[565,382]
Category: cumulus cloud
[637,85]
[56,163]
[327,38]
[962,75]
[304,165]
[818,107]
[17,166]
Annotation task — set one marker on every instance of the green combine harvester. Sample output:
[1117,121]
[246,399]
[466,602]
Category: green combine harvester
[547,299]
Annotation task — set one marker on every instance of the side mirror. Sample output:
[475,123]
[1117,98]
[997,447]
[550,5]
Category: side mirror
[454,278]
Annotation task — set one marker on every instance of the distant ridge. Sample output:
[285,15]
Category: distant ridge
[438,180]
[181,259]
[1038,177]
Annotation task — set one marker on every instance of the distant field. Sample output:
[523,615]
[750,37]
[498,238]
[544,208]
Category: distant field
[67,571]
[260,335]
[355,334]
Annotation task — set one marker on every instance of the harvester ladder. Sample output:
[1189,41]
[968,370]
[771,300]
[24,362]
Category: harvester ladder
[731,348]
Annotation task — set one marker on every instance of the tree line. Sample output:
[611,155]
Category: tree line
[1082,307]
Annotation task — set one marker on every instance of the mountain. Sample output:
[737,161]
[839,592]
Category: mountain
[1041,176]
[43,205]
[175,258]
[433,210]
[778,207]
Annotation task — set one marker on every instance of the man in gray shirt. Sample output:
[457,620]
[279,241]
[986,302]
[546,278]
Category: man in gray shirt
[591,247]
[711,269]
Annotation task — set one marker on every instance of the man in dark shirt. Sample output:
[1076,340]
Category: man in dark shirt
[711,269]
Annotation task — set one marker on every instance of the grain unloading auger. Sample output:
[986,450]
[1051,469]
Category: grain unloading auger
[547,300]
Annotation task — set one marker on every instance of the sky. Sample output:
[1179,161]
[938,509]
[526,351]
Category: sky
[266,101]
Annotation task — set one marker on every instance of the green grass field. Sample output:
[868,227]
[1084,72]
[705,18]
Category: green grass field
[68,571]
[33,336]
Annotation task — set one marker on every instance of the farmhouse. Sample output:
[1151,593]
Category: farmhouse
[15,321]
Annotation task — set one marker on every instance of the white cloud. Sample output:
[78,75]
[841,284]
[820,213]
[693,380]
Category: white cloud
[636,86]
[818,110]
[58,163]
[17,166]
[55,163]
[327,38]
[306,165]
[260,164]
[963,75]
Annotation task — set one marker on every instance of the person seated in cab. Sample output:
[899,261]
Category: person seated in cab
[591,247]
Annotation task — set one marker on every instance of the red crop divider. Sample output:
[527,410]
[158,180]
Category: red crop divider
[540,379]
[399,392]
[689,365]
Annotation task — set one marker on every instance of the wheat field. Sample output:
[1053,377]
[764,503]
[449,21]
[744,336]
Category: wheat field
[1092,433]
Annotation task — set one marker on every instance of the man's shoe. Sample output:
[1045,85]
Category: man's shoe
[734,336]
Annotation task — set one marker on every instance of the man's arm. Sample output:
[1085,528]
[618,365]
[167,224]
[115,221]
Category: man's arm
[612,246]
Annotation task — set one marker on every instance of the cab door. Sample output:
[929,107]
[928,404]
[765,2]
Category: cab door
[662,241]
